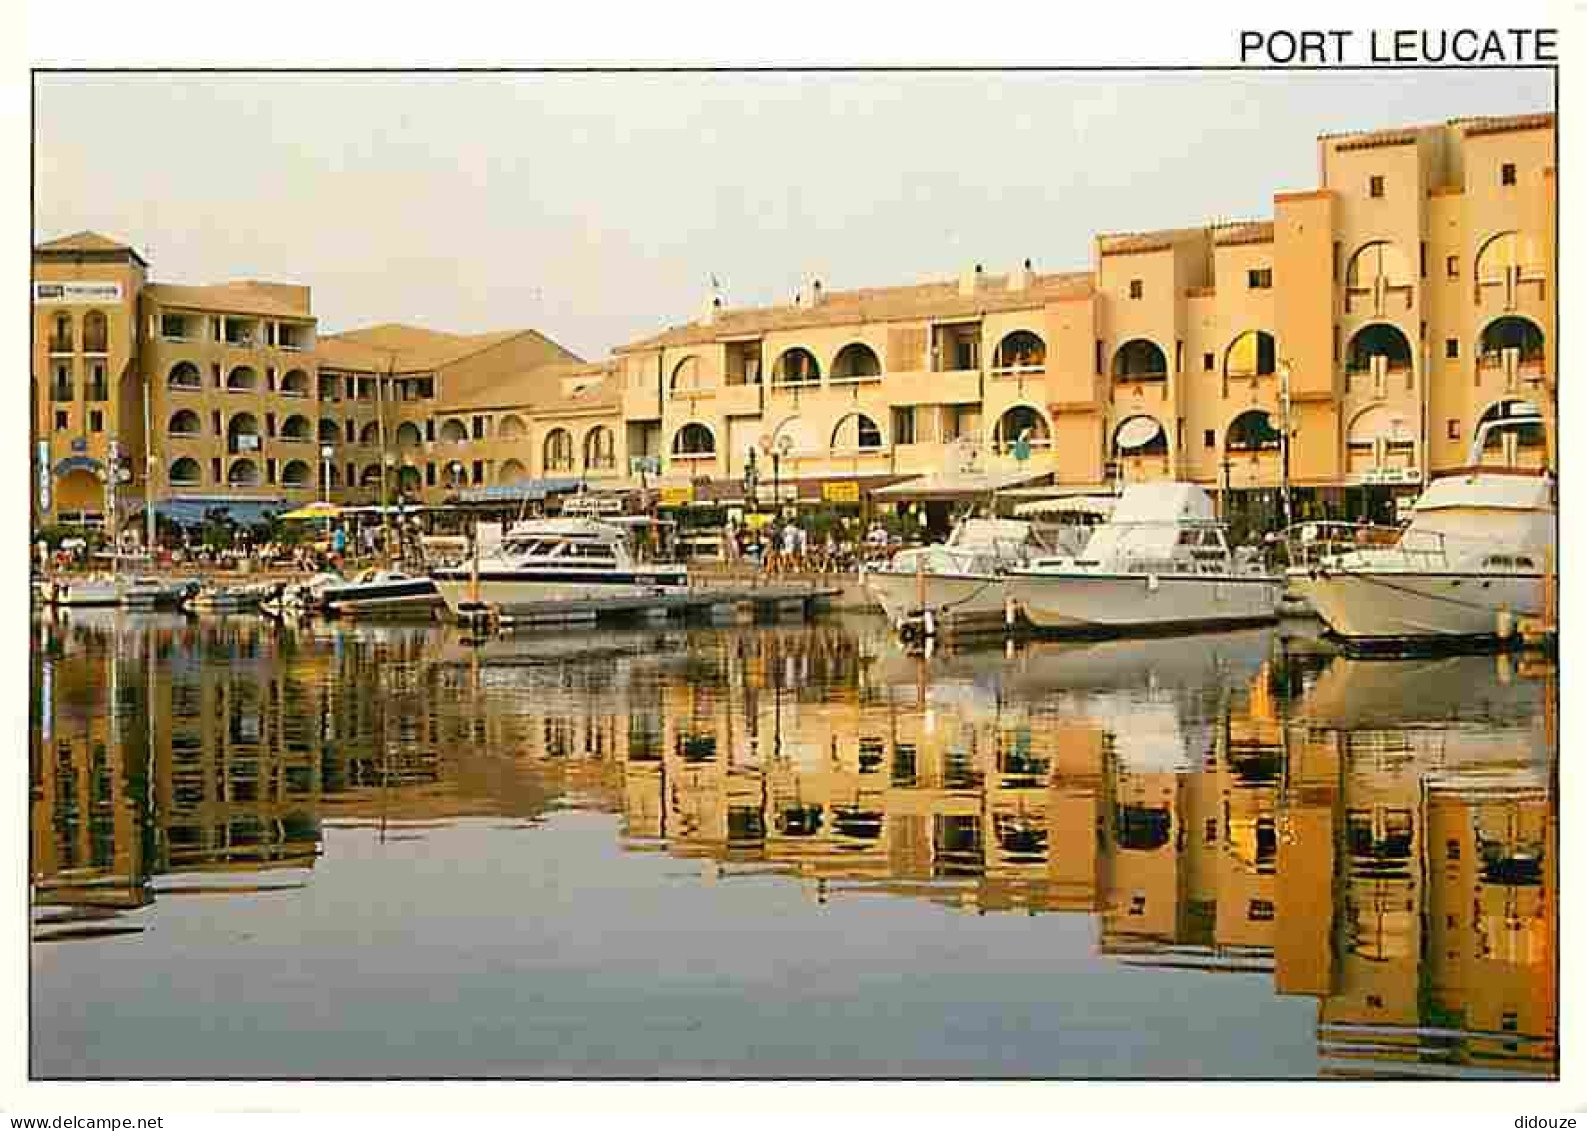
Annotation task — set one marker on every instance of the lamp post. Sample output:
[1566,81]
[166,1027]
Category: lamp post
[751,478]
[783,446]
[1284,426]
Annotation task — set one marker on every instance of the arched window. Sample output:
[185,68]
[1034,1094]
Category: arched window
[1378,271]
[242,433]
[185,375]
[693,441]
[242,379]
[1252,432]
[1378,340]
[297,475]
[1021,421]
[1507,257]
[1140,436]
[856,361]
[409,436]
[600,449]
[511,428]
[186,472]
[856,432]
[687,378]
[409,480]
[242,473]
[185,424]
[370,436]
[295,384]
[1140,360]
[796,366]
[96,332]
[329,432]
[1250,355]
[559,450]
[370,477]
[61,338]
[454,431]
[1379,436]
[1020,350]
[511,471]
[1510,333]
[296,429]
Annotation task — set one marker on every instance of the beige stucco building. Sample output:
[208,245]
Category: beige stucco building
[1376,319]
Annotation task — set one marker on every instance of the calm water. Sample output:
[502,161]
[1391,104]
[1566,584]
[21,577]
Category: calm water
[781,850]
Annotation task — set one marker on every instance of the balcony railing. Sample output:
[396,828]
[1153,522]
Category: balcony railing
[1035,369]
[60,345]
[187,386]
[186,434]
[96,345]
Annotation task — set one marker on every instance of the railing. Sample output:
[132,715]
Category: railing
[186,386]
[854,378]
[60,345]
[176,434]
[96,345]
[1034,369]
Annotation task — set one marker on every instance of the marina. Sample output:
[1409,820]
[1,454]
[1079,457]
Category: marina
[1074,852]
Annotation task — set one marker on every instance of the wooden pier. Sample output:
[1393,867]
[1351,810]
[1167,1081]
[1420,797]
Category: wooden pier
[717,602]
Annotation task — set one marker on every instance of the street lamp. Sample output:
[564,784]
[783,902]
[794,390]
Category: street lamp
[783,446]
[1283,409]
[326,452]
[751,477]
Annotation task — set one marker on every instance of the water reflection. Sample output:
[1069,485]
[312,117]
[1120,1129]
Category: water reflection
[1377,836]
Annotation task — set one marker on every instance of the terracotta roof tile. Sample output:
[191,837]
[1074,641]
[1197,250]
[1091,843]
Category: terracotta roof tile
[229,298]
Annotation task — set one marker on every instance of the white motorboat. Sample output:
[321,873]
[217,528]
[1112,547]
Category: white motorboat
[1470,563]
[115,590]
[559,559]
[960,583]
[383,591]
[1160,563]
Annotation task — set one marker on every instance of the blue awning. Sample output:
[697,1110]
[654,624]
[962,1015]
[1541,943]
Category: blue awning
[525,490]
[195,510]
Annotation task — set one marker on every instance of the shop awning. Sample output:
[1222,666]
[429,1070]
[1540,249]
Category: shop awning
[525,490]
[195,510]
[953,486]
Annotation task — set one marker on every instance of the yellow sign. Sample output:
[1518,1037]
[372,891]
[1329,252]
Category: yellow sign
[756,521]
[846,491]
[677,496]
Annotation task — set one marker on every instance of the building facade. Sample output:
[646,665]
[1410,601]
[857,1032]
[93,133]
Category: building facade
[1356,340]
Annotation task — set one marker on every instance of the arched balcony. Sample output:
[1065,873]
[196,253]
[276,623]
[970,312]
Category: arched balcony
[796,366]
[185,377]
[96,332]
[1504,263]
[297,475]
[558,450]
[1377,438]
[454,431]
[1140,361]
[242,433]
[243,379]
[1253,450]
[297,430]
[370,476]
[1251,355]
[856,362]
[511,427]
[856,432]
[1512,346]
[61,336]
[1378,351]
[1021,422]
[1020,352]
[185,425]
[409,437]
[329,432]
[694,441]
[295,384]
[1140,448]
[511,471]
[689,378]
[186,472]
[370,436]
[242,473]
[1379,279]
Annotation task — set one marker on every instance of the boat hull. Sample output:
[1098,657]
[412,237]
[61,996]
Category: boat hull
[507,592]
[414,595]
[964,602]
[1384,607]
[1115,603]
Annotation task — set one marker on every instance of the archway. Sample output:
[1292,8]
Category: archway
[1140,436]
[96,332]
[511,471]
[242,379]
[185,375]
[454,431]
[693,441]
[370,477]
[186,472]
[185,424]
[409,436]
[1377,271]
[242,433]
[329,432]
[687,377]
[1511,332]
[409,481]
[1378,340]
[1252,432]
[856,360]
[297,475]
[1252,354]
[370,436]
[79,490]
[558,450]
[511,428]
[1140,359]
[295,429]
[295,384]
[796,366]
[1021,421]
[242,473]
[600,449]
[1020,349]
[856,432]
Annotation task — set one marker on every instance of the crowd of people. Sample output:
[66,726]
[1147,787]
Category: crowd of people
[790,548]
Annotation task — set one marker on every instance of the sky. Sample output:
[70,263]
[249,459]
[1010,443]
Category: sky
[597,207]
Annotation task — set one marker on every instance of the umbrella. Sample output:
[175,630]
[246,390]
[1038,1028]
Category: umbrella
[313,511]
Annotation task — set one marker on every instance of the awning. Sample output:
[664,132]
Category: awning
[1137,432]
[525,490]
[195,510]
[951,486]
[1100,505]
[312,511]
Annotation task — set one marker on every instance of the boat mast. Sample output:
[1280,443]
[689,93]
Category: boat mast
[149,464]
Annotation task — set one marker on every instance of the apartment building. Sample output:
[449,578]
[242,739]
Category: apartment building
[1356,339]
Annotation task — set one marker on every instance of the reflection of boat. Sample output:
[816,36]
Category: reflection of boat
[381,591]
[1354,694]
[557,559]
[131,592]
[960,582]
[231,598]
[1471,559]
[1159,563]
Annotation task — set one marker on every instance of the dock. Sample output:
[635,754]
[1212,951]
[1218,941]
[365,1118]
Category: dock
[716,602]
